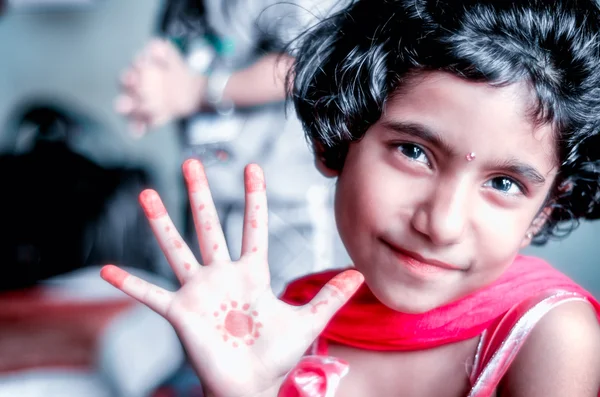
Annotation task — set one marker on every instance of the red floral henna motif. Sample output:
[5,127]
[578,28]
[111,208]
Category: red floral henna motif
[255,180]
[194,175]
[152,205]
[239,325]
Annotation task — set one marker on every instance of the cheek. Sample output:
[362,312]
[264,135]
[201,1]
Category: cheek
[500,235]
[362,201]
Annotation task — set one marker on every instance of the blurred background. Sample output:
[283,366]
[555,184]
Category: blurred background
[71,170]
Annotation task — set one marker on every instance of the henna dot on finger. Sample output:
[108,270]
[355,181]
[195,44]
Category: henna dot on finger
[201,207]
[215,247]
[254,249]
[187,266]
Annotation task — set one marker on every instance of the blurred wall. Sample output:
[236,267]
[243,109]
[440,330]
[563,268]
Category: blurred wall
[578,255]
[76,56]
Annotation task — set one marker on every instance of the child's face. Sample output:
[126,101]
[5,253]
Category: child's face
[408,193]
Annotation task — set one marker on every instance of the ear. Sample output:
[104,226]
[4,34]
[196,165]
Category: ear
[320,161]
[536,226]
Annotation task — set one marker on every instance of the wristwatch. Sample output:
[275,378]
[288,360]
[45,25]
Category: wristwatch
[215,87]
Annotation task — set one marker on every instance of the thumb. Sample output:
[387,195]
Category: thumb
[332,297]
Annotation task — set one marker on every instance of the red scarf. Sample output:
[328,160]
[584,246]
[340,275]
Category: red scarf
[366,323]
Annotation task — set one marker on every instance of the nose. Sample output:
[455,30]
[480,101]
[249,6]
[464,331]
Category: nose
[443,214]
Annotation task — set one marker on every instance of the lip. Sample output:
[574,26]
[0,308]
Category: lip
[417,262]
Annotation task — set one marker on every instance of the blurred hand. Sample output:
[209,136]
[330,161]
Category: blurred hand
[158,87]
[240,338]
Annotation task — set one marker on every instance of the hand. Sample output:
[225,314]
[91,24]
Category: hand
[159,87]
[240,338]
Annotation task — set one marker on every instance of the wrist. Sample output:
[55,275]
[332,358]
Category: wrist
[200,83]
[215,92]
[193,102]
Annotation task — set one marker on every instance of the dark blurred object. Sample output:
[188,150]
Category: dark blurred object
[61,211]
[183,19]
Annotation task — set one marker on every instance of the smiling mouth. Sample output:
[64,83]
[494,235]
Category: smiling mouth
[419,264]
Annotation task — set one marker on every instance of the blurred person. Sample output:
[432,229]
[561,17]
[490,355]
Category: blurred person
[231,87]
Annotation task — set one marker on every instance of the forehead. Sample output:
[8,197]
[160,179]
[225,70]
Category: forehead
[494,121]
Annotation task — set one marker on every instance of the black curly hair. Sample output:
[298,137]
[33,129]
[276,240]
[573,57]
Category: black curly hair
[349,64]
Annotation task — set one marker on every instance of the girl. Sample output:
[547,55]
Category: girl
[457,134]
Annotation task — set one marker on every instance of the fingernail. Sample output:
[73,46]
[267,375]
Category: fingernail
[347,282]
[152,204]
[113,275]
[254,179]
[194,175]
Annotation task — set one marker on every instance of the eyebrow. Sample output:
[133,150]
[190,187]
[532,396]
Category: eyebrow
[423,132]
[511,166]
[526,171]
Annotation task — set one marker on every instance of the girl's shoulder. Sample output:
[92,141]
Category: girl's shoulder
[561,356]
[548,345]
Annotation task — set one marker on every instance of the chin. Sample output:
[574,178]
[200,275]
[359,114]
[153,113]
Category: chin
[414,307]
[405,299]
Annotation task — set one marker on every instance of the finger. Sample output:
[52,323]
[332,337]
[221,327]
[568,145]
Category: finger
[129,79]
[178,254]
[210,234]
[256,234]
[332,297]
[124,104]
[156,298]
[158,52]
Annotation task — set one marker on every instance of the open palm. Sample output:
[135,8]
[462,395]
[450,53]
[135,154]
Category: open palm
[240,338]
